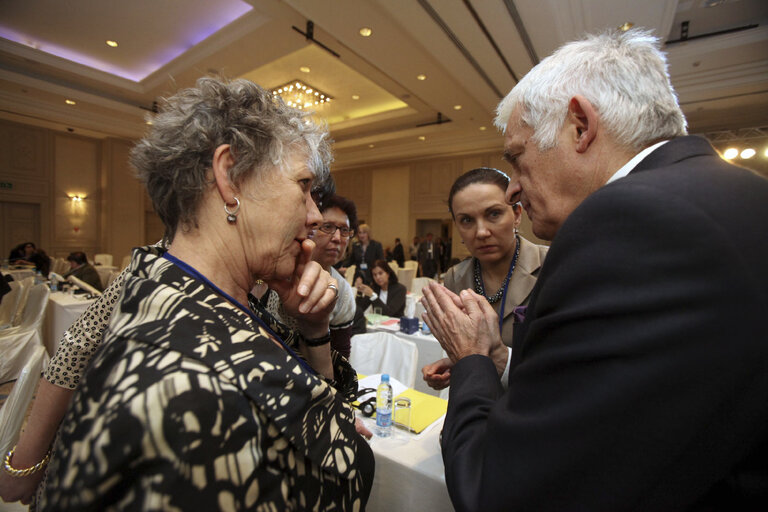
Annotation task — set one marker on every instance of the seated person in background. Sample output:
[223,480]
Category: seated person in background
[331,238]
[385,293]
[29,254]
[81,269]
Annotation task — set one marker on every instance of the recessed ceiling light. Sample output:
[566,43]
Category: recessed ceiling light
[483,128]
[355,97]
[149,122]
[370,145]
[730,153]
[457,107]
[70,102]
[626,26]
[421,77]
[112,43]
[304,69]
[366,31]
[748,153]
[422,137]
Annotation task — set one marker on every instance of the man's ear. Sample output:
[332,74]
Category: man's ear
[583,117]
[221,163]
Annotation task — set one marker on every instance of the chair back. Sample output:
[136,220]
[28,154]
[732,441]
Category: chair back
[419,283]
[411,264]
[393,265]
[112,276]
[25,285]
[126,261]
[103,259]
[349,275]
[384,352]
[83,285]
[59,265]
[34,309]
[13,413]
[405,277]
[9,304]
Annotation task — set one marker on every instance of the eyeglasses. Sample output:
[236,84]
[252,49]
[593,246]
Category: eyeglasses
[330,228]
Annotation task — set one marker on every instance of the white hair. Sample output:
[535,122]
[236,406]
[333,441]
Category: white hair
[622,74]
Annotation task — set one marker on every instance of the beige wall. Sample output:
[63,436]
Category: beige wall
[44,168]
[392,198]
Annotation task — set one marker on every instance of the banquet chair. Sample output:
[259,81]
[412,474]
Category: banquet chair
[411,264]
[83,285]
[350,274]
[24,286]
[384,352]
[112,276]
[18,343]
[126,261]
[393,265]
[9,304]
[405,277]
[14,409]
[103,259]
[59,265]
[419,283]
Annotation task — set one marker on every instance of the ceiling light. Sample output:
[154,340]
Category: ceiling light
[422,137]
[626,26]
[765,154]
[483,128]
[301,95]
[304,69]
[421,77]
[457,107]
[70,102]
[111,43]
[149,122]
[730,153]
[355,97]
[748,153]
[366,31]
[370,145]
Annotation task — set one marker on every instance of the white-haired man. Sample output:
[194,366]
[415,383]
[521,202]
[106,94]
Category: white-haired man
[638,379]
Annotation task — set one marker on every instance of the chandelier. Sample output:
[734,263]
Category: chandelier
[298,94]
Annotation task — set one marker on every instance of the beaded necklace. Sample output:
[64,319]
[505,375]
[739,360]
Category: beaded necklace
[480,289]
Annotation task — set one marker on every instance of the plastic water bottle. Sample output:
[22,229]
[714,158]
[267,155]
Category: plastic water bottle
[384,407]
[39,277]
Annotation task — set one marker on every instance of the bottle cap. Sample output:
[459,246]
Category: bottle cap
[384,377]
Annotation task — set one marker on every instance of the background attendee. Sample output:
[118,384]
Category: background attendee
[398,253]
[504,265]
[413,250]
[637,379]
[429,256]
[385,293]
[331,237]
[28,254]
[255,159]
[364,254]
[81,269]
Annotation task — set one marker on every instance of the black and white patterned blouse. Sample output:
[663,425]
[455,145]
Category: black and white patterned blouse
[191,405]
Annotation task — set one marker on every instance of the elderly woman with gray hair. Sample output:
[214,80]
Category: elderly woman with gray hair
[198,397]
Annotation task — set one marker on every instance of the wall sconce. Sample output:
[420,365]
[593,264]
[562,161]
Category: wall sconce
[76,198]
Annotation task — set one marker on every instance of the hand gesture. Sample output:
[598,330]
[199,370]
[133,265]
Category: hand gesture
[438,374]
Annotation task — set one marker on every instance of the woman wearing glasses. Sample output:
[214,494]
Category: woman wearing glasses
[331,238]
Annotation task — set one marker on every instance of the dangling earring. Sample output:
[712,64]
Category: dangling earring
[232,215]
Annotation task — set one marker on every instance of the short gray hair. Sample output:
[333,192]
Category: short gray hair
[174,157]
[622,74]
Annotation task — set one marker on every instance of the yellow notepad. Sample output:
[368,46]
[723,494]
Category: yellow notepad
[425,409]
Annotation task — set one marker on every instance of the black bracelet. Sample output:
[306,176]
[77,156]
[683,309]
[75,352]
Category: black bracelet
[318,342]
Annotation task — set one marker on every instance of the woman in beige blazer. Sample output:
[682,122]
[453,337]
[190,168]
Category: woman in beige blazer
[503,266]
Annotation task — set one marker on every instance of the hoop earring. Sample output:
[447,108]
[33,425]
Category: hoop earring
[232,215]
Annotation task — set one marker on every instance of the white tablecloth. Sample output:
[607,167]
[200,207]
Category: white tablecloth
[19,274]
[63,310]
[409,472]
[429,352]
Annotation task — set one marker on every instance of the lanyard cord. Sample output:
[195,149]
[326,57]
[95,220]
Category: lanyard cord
[194,273]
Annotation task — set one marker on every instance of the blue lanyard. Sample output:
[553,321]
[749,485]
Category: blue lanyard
[194,273]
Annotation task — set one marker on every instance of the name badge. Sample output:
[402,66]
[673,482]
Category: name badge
[364,266]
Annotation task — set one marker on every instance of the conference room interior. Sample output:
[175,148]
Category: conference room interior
[408,89]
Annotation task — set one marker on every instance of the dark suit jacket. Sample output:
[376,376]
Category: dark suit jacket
[429,261]
[398,254]
[639,379]
[372,253]
[395,305]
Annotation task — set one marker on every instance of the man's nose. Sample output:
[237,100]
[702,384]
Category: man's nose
[513,191]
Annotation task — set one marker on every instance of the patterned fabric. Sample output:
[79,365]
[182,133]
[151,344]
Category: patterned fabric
[80,341]
[191,404]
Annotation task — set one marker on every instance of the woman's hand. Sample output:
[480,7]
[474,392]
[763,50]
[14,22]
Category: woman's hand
[19,488]
[363,288]
[438,374]
[310,295]
[361,429]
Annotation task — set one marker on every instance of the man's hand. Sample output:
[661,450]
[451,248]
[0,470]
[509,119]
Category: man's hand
[464,324]
[438,374]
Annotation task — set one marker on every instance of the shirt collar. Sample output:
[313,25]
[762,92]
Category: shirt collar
[627,167]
